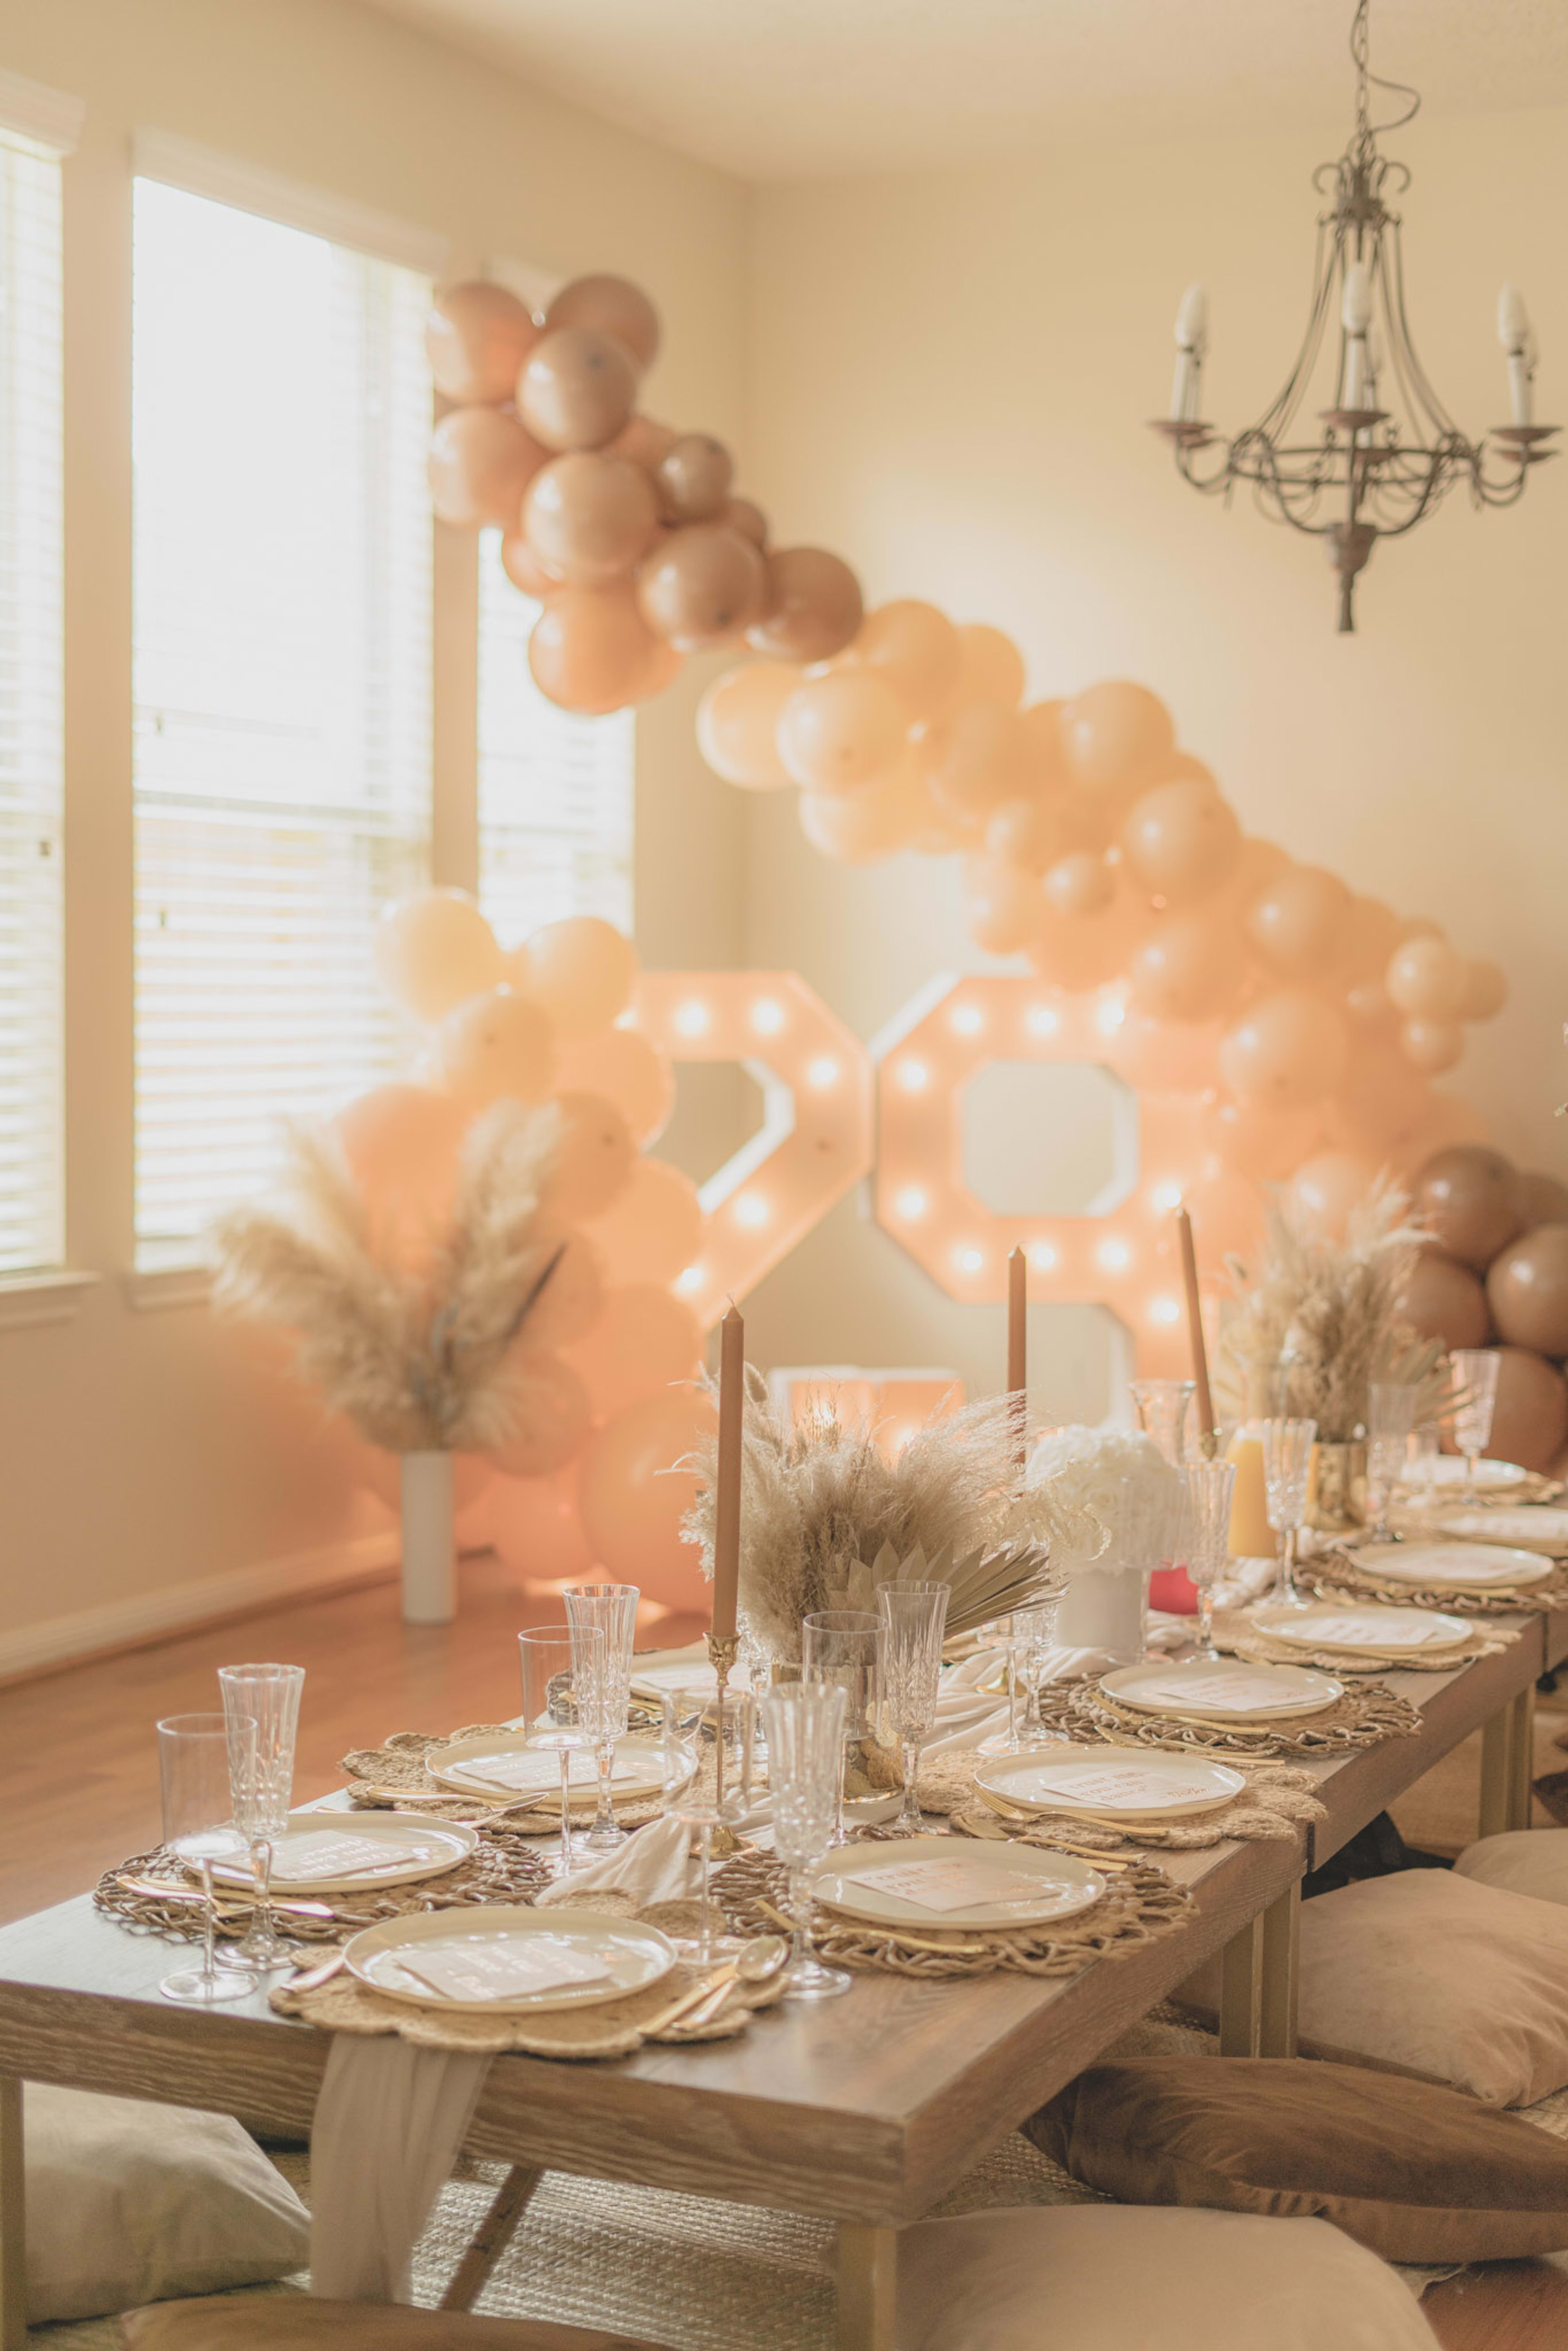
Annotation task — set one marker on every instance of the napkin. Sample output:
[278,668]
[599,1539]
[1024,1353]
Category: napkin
[651,1866]
[390,2122]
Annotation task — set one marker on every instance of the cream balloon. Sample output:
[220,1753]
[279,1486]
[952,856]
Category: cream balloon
[1299,922]
[581,970]
[550,1412]
[654,1229]
[568,1304]
[1115,732]
[1030,833]
[1258,1143]
[1427,979]
[623,1066]
[1326,1189]
[990,666]
[738,725]
[1079,883]
[976,759]
[1288,1051]
[841,730]
[496,1045]
[1431,1046]
[876,819]
[916,649]
[1003,906]
[632,1498]
[1485,992]
[642,1342]
[1189,968]
[1181,841]
[594,1164]
[481,462]
[434,950]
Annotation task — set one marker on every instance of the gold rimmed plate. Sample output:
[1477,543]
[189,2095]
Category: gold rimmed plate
[1456,1566]
[347,1852]
[924,1883]
[1106,1785]
[503,1768]
[1225,1690]
[503,1960]
[1369,1628]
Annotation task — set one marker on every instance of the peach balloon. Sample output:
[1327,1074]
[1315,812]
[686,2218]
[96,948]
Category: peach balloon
[570,1302]
[653,1230]
[576,389]
[1432,1046]
[594,1164]
[1226,1213]
[432,950]
[1370,935]
[1115,732]
[811,606]
[582,970]
[610,305]
[1545,1201]
[990,666]
[1299,922]
[1526,1289]
[662,671]
[1426,978]
[1380,1102]
[738,725]
[1530,1418]
[747,516]
[481,462]
[591,650]
[623,1066]
[1048,760]
[694,477]
[1471,1201]
[1189,968]
[1286,1051]
[1444,1299]
[1078,950]
[975,758]
[841,730]
[472,1476]
[1181,840]
[1030,833]
[402,1144]
[589,516]
[1369,1008]
[534,1527]
[856,828]
[916,649]
[632,1507]
[701,585]
[1485,992]
[1002,906]
[1079,883]
[645,441]
[550,1412]
[644,1342]
[1326,1190]
[496,1045]
[1160,1057]
[524,570]
[1258,1143]
[476,338]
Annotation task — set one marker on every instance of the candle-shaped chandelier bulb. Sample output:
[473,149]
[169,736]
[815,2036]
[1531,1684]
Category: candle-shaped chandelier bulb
[1355,317]
[1515,334]
[1192,342]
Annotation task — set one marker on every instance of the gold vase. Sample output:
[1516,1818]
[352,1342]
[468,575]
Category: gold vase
[1336,1489]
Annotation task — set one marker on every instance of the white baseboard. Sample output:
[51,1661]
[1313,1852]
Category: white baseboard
[177,1606]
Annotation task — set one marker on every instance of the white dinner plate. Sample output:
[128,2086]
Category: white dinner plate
[1448,1469]
[502,1766]
[627,1956]
[1532,1526]
[652,1681]
[1368,1626]
[1059,1885]
[1108,1785]
[1450,1566]
[1205,1690]
[344,1853]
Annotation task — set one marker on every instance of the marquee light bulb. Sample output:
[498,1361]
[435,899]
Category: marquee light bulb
[1043,1020]
[824,1071]
[767,1017]
[1042,1256]
[910,1203]
[970,1259]
[1115,1256]
[966,1019]
[1164,1309]
[751,1209]
[693,1018]
[912,1076]
[1168,1196]
[1109,1015]
[690,1278]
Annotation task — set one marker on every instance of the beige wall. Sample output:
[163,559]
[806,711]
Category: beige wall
[951,373]
[144,1451]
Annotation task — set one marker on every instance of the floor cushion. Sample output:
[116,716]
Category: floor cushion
[127,2201]
[300,2323]
[1116,2278]
[1521,1861]
[1414,2172]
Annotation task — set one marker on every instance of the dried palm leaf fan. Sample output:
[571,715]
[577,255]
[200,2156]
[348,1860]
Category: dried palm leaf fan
[826,1517]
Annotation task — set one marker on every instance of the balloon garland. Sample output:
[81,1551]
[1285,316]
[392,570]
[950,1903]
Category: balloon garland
[1310,1019]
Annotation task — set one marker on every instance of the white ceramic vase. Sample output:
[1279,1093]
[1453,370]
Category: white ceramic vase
[1106,1608]
[429,1539]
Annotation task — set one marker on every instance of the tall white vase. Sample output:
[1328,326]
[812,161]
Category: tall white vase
[429,1541]
[1106,1608]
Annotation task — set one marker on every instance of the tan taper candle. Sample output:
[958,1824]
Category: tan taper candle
[1018,1339]
[1195,1325]
[726,1515]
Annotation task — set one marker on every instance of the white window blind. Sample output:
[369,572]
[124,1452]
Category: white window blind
[31,1035]
[281,413]
[556,792]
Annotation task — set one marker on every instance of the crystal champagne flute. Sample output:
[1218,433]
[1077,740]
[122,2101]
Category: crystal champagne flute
[805,1747]
[843,1647]
[703,1727]
[1210,1485]
[552,1659]
[261,1783]
[1474,1402]
[604,1698]
[1287,1473]
[914,1619]
[1390,1412]
[193,1752]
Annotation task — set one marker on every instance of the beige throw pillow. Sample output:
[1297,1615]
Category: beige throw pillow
[1519,1861]
[127,2203]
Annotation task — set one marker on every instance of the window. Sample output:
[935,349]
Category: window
[281,412]
[554,790]
[31,1025]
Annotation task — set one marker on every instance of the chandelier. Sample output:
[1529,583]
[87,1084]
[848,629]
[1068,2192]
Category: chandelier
[1389,451]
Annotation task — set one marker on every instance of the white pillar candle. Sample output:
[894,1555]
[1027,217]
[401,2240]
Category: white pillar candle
[1513,332]
[1356,314]
[1192,342]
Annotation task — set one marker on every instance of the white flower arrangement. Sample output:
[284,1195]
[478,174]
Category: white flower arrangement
[1117,1477]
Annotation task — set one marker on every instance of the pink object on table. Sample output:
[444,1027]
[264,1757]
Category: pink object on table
[1172,1590]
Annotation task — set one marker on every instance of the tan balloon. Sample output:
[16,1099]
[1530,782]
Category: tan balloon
[594,1163]
[1079,883]
[738,725]
[1189,968]
[500,1045]
[1485,992]
[992,668]
[1469,1200]
[1326,1189]
[916,649]
[1427,979]
[1181,840]
[481,462]
[1444,1299]
[701,586]
[1030,833]
[1431,1046]
[582,971]
[610,305]
[590,649]
[841,730]
[747,516]
[1298,923]
[975,758]
[694,478]
[663,669]
[1259,1143]
[623,1066]
[1287,1051]
[1545,1201]
[654,1229]
[590,518]
[876,819]
[645,440]
[476,338]
[1530,1418]
[1115,732]
[1003,906]
[524,570]
[434,950]
[576,389]
[1526,1289]
[549,1411]
[811,606]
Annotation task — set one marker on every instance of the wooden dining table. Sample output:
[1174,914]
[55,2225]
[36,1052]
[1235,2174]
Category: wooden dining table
[864,2111]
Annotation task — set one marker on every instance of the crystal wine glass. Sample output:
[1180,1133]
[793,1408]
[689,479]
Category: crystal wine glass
[843,1647]
[1422,1448]
[193,1752]
[1475,1378]
[604,1698]
[1210,1485]
[708,1749]
[914,1619]
[552,1660]
[261,1784]
[1034,1635]
[1390,1410]
[1287,1472]
[1162,1408]
[1001,1634]
[805,1745]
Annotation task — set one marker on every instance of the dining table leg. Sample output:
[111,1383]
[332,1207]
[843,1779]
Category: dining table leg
[868,2288]
[1522,1758]
[1507,1764]
[12,2221]
[1281,1945]
[1241,1993]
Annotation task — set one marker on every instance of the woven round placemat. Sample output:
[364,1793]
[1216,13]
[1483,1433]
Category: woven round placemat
[1139,1904]
[1510,1522]
[1333,1573]
[1279,1798]
[502,1868]
[1244,1639]
[396,1776]
[1364,1717]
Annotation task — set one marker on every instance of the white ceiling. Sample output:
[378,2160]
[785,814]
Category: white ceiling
[787,89]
